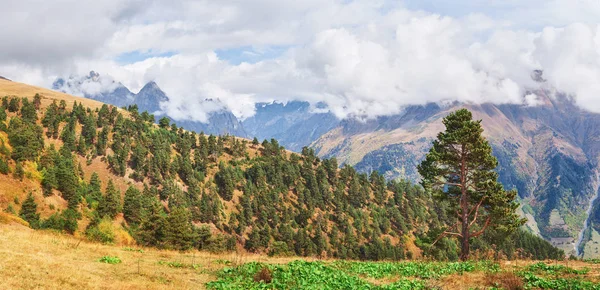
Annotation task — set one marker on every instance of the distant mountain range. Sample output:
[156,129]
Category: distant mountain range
[550,152]
[149,98]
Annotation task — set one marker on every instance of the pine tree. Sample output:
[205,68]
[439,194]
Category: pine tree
[19,171]
[49,181]
[132,206]
[110,205]
[179,233]
[94,193]
[164,122]
[37,101]
[459,169]
[252,244]
[13,105]
[29,213]
[152,228]
[26,139]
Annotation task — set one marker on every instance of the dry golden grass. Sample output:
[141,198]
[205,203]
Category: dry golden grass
[46,260]
[9,88]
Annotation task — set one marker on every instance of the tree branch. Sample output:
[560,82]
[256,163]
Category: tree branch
[476,209]
[485,226]
[447,232]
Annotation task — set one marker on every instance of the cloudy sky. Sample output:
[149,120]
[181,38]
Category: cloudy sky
[362,58]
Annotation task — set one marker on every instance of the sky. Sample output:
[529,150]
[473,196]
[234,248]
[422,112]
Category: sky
[363,58]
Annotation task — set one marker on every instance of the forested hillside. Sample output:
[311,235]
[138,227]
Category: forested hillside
[114,176]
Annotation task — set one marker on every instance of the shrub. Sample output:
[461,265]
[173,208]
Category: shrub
[264,275]
[4,166]
[505,280]
[280,249]
[65,221]
[110,260]
[102,232]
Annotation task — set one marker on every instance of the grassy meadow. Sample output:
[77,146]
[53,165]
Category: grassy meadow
[48,260]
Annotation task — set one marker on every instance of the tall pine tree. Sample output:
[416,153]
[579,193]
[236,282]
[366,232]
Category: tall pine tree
[459,169]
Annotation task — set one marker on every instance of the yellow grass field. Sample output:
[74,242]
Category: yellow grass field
[31,259]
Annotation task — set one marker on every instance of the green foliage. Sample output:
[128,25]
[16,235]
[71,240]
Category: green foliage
[110,260]
[101,231]
[65,221]
[10,209]
[4,169]
[13,105]
[164,122]
[19,171]
[132,206]
[422,270]
[179,233]
[459,169]
[225,180]
[542,267]
[280,249]
[110,205]
[300,275]
[559,277]
[29,212]
[25,138]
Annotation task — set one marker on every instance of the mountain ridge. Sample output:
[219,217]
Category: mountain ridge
[547,148]
[150,98]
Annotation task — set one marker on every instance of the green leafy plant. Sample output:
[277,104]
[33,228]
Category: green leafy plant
[110,260]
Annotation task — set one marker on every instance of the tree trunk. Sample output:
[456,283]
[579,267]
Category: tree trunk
[464,249]
[464,205]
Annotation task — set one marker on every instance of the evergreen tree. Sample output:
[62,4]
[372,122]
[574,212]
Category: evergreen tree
[152,228]
[179,232]
[37,101]
[49,181]
[110,205]
[4,169]
[19,171]
[164,122]
[94,193]
[26,139]
[132,206]
[13,105]
[29,212]
[459,169]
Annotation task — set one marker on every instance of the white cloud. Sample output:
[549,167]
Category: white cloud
[362,58]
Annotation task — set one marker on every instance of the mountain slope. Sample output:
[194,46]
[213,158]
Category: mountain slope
[114,176]
[235,190]
[548,152]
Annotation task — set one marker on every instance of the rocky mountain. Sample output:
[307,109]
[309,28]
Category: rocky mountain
[96,87]
[294,124]
[149,98]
